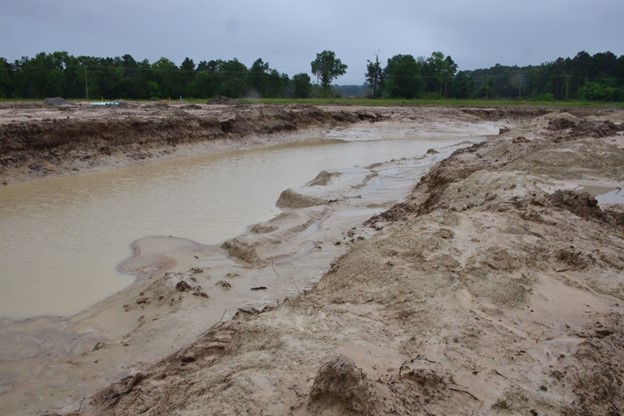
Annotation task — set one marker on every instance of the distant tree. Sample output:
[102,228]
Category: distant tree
[440,71]
[605,89]
[43,75]
[188,66]
[374,76]
[153,89]
[597,77]
[302,88]
[210,66]
[402,77]
[204,85]
[277,84]
[187,74]
[327,67]
[166,74]
[258,78]
[6,85]
[233,78]
[487,90]
[462,85]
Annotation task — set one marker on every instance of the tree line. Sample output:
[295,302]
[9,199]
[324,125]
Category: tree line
[595,78]
[598,77]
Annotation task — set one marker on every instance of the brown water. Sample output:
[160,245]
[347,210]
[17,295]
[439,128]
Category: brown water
[61,238]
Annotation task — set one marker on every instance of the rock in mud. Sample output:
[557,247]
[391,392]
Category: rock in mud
[183,286]
[224,284]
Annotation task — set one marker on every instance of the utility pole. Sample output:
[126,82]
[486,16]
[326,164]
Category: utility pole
[86,81]
[567,86]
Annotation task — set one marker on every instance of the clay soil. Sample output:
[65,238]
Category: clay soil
[496,287]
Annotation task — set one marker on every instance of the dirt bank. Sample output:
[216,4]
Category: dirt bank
[495,288]
[38,141]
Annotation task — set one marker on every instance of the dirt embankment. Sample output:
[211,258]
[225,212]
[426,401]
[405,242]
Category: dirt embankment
[38,141]
[496,288]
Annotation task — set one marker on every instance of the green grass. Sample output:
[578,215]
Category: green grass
[392,102]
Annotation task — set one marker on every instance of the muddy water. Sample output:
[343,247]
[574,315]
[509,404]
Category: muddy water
[613,196]
[62,238]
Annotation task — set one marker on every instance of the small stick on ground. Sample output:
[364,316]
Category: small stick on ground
[465,392]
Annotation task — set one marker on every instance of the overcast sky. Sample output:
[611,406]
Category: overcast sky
[289,33]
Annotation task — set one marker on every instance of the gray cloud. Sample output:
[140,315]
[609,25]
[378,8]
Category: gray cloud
[288,34]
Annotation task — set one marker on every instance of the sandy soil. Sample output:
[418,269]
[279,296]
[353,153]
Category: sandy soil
[495,288]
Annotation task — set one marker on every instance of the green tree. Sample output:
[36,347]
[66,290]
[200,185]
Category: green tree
[43,75]
[187,74]
[6,82]
[277,84]
[258,78]
[233,78]
[487,90]
[302,87]
[402,77]
[462,86]
[166,74]
[374,76]
[205,84]
[440,71]
[327,67]
[605,89]
[153,89]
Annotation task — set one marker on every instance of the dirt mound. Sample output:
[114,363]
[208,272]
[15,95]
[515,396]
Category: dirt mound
[496,114]
[593,128]
[582,204]
[561,123]
[585,206]
[55,101]
[221,100]
[340,386]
